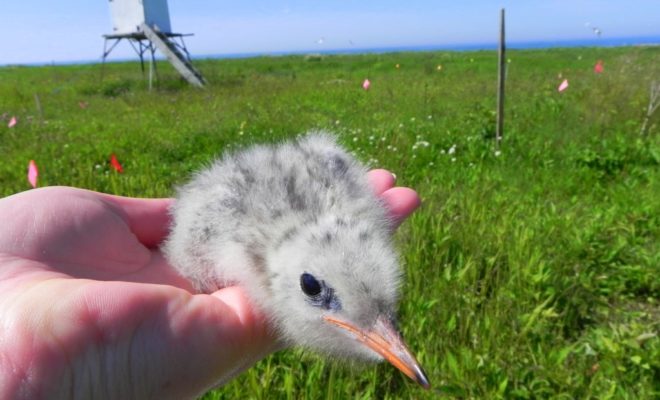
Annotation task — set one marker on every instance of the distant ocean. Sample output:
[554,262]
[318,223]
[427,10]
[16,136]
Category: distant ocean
[593,42]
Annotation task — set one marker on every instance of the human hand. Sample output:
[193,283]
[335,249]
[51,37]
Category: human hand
[90,308]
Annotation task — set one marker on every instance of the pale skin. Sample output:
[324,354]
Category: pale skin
[89,308]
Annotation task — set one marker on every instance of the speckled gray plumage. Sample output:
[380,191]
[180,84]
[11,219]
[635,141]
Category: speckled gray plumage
[261,217]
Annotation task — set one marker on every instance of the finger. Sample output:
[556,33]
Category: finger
[148,219]
[401,202]
[380,180]
[258,339]
[190,343]
[229,336]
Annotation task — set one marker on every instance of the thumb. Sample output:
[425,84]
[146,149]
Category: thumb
[248,337]
[210,339]
[146,340]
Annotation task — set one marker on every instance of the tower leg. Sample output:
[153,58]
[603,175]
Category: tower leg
[143,48]
[152,64]
[106,52]
[182,46]
[105,47]
[139,50]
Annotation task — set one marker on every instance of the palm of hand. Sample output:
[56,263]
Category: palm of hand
[93,306]
[89,305]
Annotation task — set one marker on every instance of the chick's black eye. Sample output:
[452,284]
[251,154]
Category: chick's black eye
[309,285]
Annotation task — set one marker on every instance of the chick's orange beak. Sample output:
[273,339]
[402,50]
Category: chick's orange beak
[385,340]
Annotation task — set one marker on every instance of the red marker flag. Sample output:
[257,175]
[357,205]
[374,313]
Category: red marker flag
[33,173]
[12,122]
[115,163]
[366,84]
[598,68]
[563,86]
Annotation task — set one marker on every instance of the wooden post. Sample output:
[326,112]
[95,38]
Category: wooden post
[40,110]
[654,103]
[500,84]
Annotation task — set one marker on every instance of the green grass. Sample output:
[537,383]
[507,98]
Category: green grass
[529,274]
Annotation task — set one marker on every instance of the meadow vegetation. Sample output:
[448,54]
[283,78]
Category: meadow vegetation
[532,271]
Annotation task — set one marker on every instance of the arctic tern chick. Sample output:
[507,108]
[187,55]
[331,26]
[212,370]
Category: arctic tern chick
[298,226]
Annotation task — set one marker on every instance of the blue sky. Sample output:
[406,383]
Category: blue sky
[36,31]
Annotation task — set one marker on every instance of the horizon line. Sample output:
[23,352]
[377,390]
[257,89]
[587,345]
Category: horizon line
[653,40]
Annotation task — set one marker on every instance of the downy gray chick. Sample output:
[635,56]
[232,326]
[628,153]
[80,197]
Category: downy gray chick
[298,226]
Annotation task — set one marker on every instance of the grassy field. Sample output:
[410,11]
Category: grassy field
[531,272]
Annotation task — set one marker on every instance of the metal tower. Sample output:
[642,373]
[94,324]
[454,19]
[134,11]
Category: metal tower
[145,24]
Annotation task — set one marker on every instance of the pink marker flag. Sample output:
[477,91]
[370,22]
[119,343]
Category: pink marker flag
[563,86]
[115,163]
[598,68]
[33,173]
[12,122]
[366,84]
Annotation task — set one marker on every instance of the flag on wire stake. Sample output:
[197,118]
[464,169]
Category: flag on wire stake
[33,173]
[115,163]
[366,84]
[598,68]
